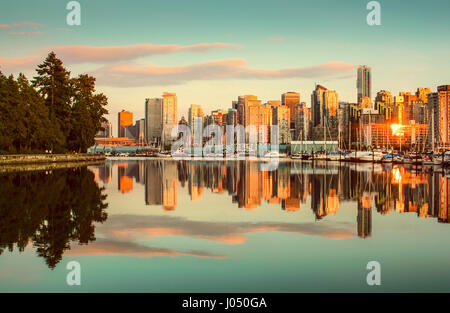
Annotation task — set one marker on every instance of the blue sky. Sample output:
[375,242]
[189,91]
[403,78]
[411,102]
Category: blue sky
[409,50]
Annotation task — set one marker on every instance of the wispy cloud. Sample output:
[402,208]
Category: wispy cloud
[10,65]
[22,34]
[132,227]
[143,74]
[109,54]
[132,249]
[20,25]
[30,24]
[276,39]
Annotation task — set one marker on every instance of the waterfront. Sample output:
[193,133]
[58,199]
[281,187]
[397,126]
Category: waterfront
[224,226]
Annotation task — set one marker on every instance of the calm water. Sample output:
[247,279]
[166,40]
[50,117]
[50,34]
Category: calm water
[168,226]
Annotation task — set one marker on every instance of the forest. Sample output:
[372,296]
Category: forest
[53,112]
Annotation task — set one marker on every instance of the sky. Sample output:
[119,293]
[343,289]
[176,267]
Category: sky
[209,52]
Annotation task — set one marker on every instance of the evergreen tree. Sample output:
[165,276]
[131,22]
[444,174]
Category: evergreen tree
[54,85]
[55,112]
[87,113]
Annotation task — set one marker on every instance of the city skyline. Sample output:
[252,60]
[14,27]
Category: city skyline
[265,59]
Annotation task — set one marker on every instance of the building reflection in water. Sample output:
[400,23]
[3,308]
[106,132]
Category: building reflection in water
[377,188]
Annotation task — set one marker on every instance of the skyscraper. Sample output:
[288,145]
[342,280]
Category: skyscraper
[125,119]
[106,132]
[169,116]
[384,103]
[194,111]
[281,117]
[439,112]
[364,82]
[243,108]
[324,104]
[317,105]
[291,100]
[153,120]
[330,103]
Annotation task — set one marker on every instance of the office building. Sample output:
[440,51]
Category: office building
[364,82]
[153,120]
[125,119]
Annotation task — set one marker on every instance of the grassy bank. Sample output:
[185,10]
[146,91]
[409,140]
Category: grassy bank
[19,159]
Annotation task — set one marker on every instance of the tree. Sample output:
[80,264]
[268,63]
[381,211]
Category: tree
[54,85]
[87,113]
[55,112]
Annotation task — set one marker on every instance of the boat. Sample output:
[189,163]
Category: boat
[352,157]
[388,158]
[406,159]
[371,156]
[427,159]
[416,159]
[274,155]
[163,154]
[335,156]
[321,157]
[297,156]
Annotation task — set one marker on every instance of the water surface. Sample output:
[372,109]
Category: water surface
[211,226]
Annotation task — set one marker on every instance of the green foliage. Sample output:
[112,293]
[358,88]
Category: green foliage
[55,112]
[50,211]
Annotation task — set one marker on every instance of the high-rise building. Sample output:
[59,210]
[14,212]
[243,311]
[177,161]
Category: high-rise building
[106,132]
[281,117]
[169,116]
[439,115]
[153,120]
[422,94]
[384,103]
[364,82]
[300,122]
[291,100]
[324,105]
[317,105]
[243,108]
[194,111]
[330,103]
[273,103]
[399,105]
[125,119]
[140,130]
[232,117]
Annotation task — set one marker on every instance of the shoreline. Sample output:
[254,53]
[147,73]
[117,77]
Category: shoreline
[15,168]
[48,159]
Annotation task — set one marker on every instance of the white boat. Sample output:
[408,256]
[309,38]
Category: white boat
[274,154]
[334,157]
[163,154]
[370,156]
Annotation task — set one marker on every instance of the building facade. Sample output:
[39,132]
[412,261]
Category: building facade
[364,82]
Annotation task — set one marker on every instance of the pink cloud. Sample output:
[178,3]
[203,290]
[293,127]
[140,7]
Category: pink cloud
[276,39]
[9,65]
[83,54]
[21,24]
[30,24]
[22,34]
[142,74]
[132,249]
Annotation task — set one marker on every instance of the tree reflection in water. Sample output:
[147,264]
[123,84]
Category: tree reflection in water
[49,209]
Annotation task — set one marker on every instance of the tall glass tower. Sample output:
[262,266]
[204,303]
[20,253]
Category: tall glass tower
[364,82]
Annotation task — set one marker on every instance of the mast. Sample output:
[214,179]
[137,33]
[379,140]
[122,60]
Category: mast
[325,130]
[432,128]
